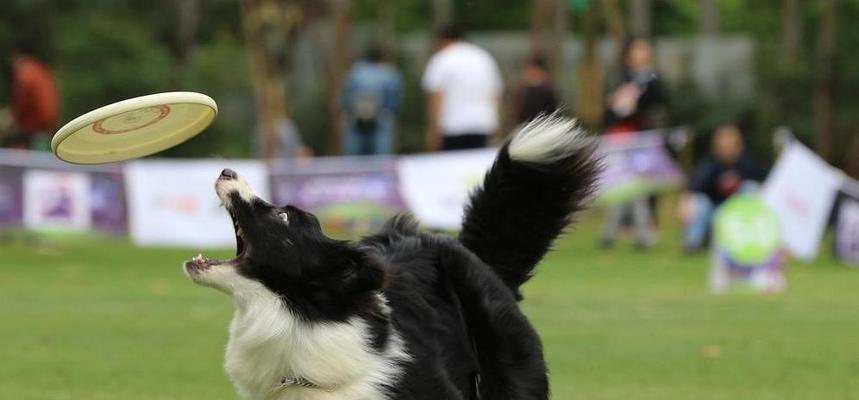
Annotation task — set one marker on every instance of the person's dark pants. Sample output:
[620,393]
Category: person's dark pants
[27,141]
[463,142]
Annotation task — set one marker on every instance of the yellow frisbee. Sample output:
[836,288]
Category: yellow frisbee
[134,128]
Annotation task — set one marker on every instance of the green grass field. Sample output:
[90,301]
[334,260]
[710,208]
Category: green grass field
[87,319]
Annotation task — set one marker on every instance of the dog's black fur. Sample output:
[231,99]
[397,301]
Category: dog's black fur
[452,301]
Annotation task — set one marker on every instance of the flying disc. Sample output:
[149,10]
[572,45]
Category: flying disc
[134,128]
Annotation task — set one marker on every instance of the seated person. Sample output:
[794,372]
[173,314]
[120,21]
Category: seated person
[728,170]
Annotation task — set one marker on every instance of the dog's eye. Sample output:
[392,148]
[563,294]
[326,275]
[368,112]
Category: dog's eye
[284,216]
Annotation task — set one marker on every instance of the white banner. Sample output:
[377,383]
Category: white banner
[801,189]
[173,202]
[436,186]
[56,200]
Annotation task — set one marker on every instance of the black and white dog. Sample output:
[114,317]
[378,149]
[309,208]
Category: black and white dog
[402,314]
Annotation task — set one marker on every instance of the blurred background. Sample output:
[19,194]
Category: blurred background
[770,63]
[718,261]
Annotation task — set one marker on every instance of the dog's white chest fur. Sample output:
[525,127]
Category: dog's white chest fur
[267,343]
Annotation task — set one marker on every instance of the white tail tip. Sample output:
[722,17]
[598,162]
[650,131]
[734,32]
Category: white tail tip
[546,139]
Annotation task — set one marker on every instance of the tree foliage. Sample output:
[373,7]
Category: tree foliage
[103,51]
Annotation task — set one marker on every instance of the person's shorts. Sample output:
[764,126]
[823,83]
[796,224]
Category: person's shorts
[466,141]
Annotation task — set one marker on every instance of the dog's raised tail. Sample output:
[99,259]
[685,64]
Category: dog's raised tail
[541,177]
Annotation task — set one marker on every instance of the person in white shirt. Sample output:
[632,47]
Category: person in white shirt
[464,87]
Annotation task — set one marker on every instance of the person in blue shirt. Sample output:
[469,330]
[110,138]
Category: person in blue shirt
[371,97]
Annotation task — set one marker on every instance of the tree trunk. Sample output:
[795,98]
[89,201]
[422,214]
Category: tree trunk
[791,29]
[562,26]
[442,14]
[338,59]
[387,30]
[188,13]
[269,27]
[548,26]
[589,102]
[260,75]
[539,26]
[614,22]
[640,17]
[823,102]
[613,19]
[709,17]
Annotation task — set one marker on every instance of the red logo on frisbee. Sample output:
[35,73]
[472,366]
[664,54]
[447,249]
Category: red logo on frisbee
[131,121]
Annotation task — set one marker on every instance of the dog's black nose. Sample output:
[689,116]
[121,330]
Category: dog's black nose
[229,174]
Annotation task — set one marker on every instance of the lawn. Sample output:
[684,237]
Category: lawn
[101,319]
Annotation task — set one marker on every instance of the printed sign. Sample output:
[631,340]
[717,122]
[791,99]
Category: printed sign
[746,251]
[635,165]
[56,200]
[436,186]
[349,195]
[747,230]
[173,202]
[801,189]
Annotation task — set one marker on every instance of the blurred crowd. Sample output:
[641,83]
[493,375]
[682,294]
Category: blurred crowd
[463,90]
[464,87]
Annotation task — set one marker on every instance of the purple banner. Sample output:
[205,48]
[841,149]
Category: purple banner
[45,179]
[11,197]
[351,195]
[635,164]
[108,203]
[847,231]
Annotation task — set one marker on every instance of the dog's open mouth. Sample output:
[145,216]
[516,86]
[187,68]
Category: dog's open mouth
[201,263]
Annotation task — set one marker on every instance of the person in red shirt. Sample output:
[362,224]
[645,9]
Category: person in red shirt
[35,100]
